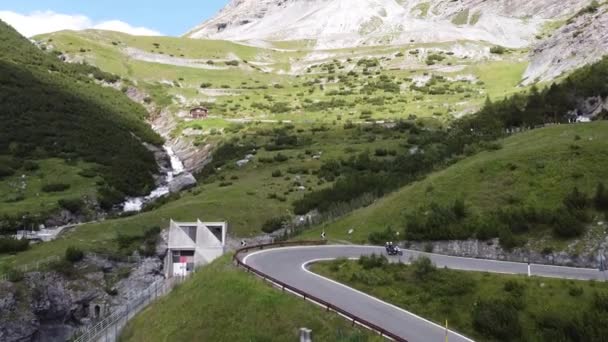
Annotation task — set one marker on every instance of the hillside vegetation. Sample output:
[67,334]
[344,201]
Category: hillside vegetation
[529,174]
[434,149]
[50,109]
[222,303]
[483,306]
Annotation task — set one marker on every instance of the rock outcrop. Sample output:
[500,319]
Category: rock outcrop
[52,306]
[583,40]
[182,182]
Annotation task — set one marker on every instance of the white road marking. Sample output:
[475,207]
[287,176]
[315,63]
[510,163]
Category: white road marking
[304,267]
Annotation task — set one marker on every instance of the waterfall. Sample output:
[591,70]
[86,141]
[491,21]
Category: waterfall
[133,204]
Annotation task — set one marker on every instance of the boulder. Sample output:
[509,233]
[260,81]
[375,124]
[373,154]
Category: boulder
[182,182]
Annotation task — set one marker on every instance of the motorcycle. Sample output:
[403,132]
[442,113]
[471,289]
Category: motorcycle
[393,250]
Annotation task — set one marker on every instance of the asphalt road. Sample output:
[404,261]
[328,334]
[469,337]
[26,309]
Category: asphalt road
[289,265]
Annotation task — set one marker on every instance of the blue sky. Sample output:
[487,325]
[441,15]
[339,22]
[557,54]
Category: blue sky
[172,17]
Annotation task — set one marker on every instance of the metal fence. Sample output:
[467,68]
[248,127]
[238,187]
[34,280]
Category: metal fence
[32,267]
[109,328]
[306,296]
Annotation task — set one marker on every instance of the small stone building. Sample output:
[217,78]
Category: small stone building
[193,244]
[199,113]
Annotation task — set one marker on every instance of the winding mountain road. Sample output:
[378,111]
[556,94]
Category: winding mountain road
[289,265]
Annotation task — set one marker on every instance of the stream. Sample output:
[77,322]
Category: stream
[134,204]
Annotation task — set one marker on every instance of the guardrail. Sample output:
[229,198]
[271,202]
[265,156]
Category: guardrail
[306,296]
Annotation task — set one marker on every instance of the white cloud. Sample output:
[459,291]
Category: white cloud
[48,21]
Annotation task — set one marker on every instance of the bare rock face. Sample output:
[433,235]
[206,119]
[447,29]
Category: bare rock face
[346,23]
[584,40]
[15,325]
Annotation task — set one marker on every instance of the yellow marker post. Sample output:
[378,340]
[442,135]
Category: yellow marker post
[446,330]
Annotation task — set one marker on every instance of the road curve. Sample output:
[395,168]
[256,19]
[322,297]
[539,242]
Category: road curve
[289,265]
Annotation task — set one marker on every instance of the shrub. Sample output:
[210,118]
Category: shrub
[600,199]
[498,50]
[514,287]
[30,165]
[277,173]
[508,240]
[74,205]
[55,187]
[373,261]
[206,85]
[6,171]
[459,208]
[73,254]
[600,301]
[380,238]
[381,152]
[232,63]
[423,267]
[11,245]
[274,224]
[497,319]
[575,291]
[279,157]
[576,200]
[566,225]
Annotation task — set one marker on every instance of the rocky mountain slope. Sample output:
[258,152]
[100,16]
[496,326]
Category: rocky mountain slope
[582,40]
[344,23]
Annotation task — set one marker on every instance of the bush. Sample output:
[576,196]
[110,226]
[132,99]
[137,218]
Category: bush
[11,245]
[514,287]
[6,171]
[600,301]
[380,238]
[279,157]
[508,240]
[74,205]
[373,261]
[277,173]
[459,208]
[423,267]
[600,199]
[55,187]
[576,200]
[381,152]
[497,319]
[566,224]
[274,224]
[29,165]
[498,50]
[232,63]
[73,254]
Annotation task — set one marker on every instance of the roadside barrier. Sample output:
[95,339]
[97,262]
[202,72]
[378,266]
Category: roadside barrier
[306,296]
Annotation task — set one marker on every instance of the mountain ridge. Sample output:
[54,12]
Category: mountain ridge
[337,23]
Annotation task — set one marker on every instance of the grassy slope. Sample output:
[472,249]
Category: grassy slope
[547,167]
[242,308]
[104,49]
[245,204]
[50,110]
[35,199]
[448,294]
